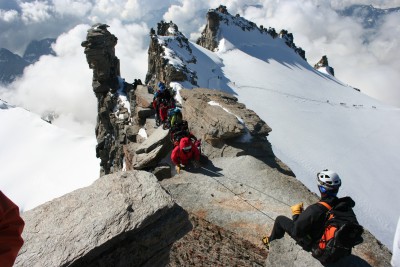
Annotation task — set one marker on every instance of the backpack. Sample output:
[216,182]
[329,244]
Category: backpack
[341,232]
[178,131]
[175,116]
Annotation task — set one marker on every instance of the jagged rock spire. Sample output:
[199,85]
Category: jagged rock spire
[323,63]
[209,36]
[100,55]
[159,67]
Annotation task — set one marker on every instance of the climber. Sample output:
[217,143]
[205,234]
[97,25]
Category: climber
[180,130]
[174,116]
[307,226]
[162,101]
[11,226]
[185,153]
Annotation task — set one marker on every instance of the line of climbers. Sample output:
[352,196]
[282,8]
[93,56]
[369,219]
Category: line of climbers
[187,148]
[328,229]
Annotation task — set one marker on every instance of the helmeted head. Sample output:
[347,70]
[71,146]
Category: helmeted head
[161,86]
[328,182]
[185,144]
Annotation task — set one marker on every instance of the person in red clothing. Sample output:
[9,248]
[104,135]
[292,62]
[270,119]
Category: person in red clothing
[184,153]
[11,226]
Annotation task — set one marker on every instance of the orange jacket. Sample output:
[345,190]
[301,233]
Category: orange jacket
[11,226]
[178,156]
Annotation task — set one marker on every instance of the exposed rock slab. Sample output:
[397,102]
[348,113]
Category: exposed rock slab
[122,219]
[285,252]
[158,137]
[143,98]
[217,115]
[244,195]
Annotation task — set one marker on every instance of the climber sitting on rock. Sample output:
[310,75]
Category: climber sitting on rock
[162,101]
[185,153]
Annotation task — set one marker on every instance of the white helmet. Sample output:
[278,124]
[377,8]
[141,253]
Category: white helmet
[329,180]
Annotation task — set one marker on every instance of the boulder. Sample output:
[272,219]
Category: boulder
[122,219]
[216,116]
[144,99]
[159,137]
[162,172]
[131,132]
[285,252]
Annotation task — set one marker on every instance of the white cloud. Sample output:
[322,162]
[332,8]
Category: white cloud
[36,11]
[131,48]
[78,8]
[8,15]
[59,83]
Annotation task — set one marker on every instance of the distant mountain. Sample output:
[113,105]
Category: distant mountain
[36,49]
[369,16]
[12,65]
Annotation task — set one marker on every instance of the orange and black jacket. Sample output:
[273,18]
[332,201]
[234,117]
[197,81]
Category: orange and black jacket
[310,223]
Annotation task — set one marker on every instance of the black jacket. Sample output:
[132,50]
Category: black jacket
[310,223]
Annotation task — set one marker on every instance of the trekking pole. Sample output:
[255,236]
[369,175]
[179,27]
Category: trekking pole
[238,195]
[252,187]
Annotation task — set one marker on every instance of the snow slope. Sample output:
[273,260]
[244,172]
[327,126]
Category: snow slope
[317,121]
[39,161]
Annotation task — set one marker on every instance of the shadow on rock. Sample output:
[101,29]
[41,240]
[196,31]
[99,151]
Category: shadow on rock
[351,260]
[149,247]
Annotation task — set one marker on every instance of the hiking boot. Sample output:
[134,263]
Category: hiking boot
[265,241]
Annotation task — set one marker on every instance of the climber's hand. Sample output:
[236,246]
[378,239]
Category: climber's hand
[297,209]
[178,168]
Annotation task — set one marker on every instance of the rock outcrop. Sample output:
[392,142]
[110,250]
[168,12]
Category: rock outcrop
[323,64]
[210,36]
[118,120]
[123,219]
[244,195]
[285,252]
[160,67]
[228,128]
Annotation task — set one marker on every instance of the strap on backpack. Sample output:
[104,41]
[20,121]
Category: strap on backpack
[326,205]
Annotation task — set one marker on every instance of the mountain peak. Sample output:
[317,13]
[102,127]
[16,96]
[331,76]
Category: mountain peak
[175,52]
[219,18]
[323,66]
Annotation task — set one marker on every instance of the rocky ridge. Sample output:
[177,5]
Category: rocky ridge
[214,215]
[210,36]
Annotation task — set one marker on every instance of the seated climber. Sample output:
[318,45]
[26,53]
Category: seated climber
[162,98]
[308,226]
[185,153]
[11,226]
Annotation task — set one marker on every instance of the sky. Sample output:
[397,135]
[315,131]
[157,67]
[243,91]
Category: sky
[62,83]
[371,65]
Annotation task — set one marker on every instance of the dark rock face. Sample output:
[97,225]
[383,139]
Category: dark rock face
[211,245]
[323,63]
[208,37]
[36,49]
[216,17]
[159,67]
[11,66]
[113,114]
